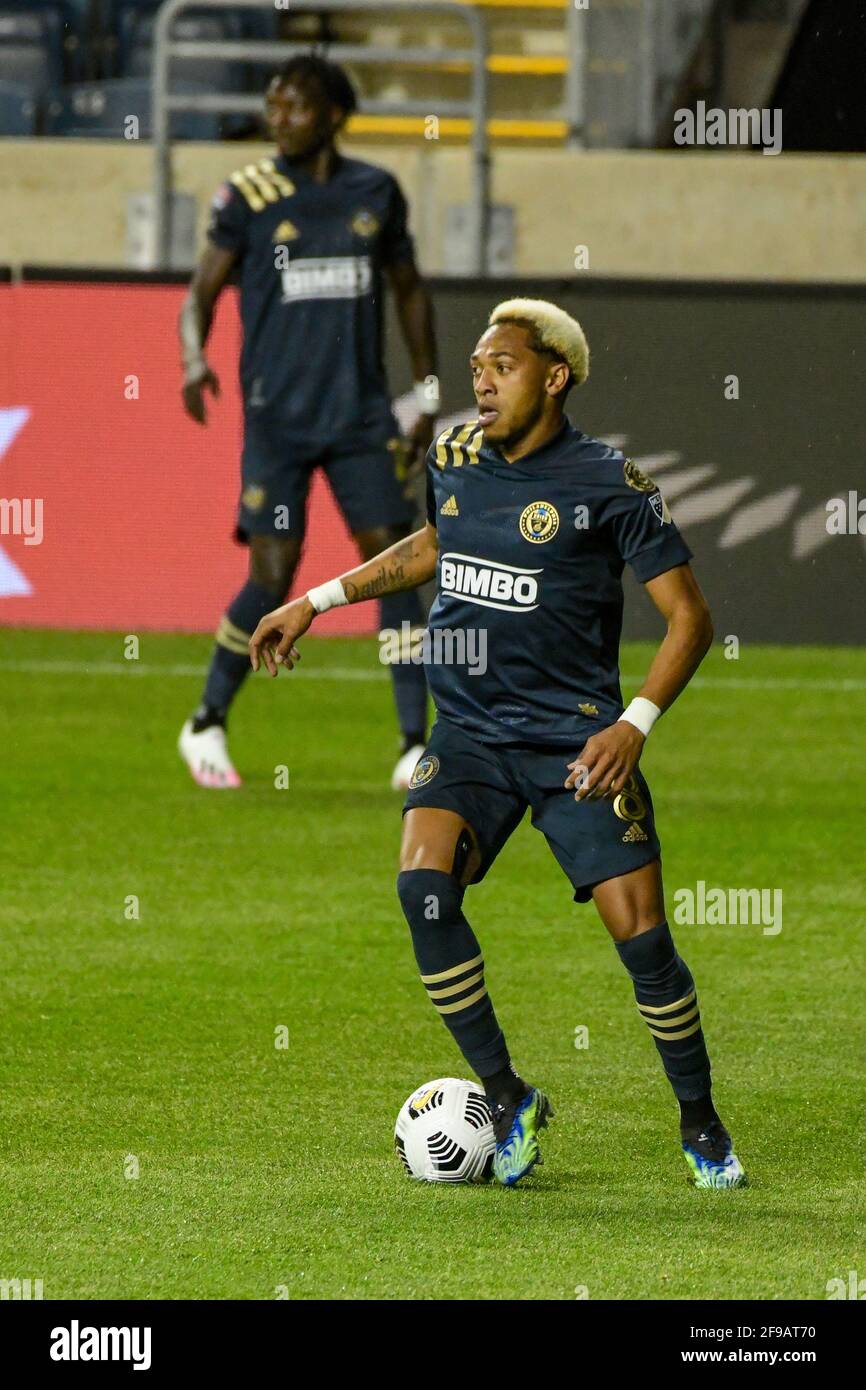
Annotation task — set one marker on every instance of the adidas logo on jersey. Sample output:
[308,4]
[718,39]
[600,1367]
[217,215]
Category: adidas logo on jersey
[491,586]
[450,508]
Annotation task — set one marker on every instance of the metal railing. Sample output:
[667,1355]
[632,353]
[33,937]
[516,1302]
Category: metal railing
[671,31]
[273,52]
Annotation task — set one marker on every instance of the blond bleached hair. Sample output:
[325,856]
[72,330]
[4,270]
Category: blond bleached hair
[554,331]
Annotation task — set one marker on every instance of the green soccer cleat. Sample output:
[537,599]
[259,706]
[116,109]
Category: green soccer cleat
[515,1128]
[710,1155]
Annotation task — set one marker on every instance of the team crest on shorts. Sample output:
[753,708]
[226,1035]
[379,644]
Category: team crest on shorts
[425,770]
[365,223]
[539,522]
[630,806]
[253,497]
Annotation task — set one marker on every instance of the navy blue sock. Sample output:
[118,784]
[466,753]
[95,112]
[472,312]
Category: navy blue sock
[667,1000]
[452,967]
[230,663]
[402,613]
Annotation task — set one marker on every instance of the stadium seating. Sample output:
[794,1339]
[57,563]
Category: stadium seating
[527,64]
[19,109]
[31,46]
[101,109]
[135,49]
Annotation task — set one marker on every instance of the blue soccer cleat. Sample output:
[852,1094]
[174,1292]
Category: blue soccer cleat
[515,1128]
[710,1155]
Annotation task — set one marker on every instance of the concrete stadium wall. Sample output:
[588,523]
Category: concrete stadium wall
[684,213]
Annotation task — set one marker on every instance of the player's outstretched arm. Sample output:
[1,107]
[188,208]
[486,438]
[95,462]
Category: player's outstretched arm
[196,316]
[406,565]
[608,758]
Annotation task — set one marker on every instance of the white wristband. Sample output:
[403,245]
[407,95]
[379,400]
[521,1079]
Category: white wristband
[641,713]
[330,595]
[428,396]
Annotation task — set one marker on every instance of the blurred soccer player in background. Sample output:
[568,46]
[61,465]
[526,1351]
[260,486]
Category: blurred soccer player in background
[530,524]
[310,234]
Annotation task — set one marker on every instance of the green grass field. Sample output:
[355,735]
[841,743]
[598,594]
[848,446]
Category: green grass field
[261,1168]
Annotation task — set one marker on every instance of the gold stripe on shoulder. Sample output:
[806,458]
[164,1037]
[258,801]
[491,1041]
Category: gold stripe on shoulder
[459,441]
[474,444]
[262,184]
[283,185]
[442,446]
[256,202]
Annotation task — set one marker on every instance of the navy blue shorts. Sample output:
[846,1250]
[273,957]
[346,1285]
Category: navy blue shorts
[491,786]
[366,474]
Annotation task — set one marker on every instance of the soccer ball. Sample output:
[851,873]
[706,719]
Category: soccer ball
[444,1132]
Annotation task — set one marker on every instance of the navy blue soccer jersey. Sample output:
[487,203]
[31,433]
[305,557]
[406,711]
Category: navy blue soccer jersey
[311,259]
[531,556]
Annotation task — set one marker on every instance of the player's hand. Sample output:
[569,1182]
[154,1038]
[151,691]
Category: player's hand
[605,762]
[199,377]
[272,643]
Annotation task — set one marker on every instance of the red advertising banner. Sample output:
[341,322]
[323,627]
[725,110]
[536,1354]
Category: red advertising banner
[117,510]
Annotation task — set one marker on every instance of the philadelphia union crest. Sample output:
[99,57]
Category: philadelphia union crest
[539,522]
[639,481]
[425,771]
[365,223]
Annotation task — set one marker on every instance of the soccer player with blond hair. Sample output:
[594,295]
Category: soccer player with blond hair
[530,524]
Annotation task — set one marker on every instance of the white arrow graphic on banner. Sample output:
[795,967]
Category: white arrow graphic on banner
[13,584]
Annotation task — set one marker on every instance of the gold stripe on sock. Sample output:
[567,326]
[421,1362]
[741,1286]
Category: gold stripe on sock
[668,1008]
[234,631]
[462,1003]
[673,1037]
[231,644]
[455,989]
[673,1022]
[455,970]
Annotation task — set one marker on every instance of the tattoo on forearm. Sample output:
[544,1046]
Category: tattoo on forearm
[397,573]
[387,577]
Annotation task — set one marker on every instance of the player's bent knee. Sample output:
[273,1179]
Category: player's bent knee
[426,854]
[273,563]
[378,538]
[633,903]
[428,895]
[440,841]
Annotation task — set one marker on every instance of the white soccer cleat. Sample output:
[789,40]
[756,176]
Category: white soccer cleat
[406,765]
[207,756]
